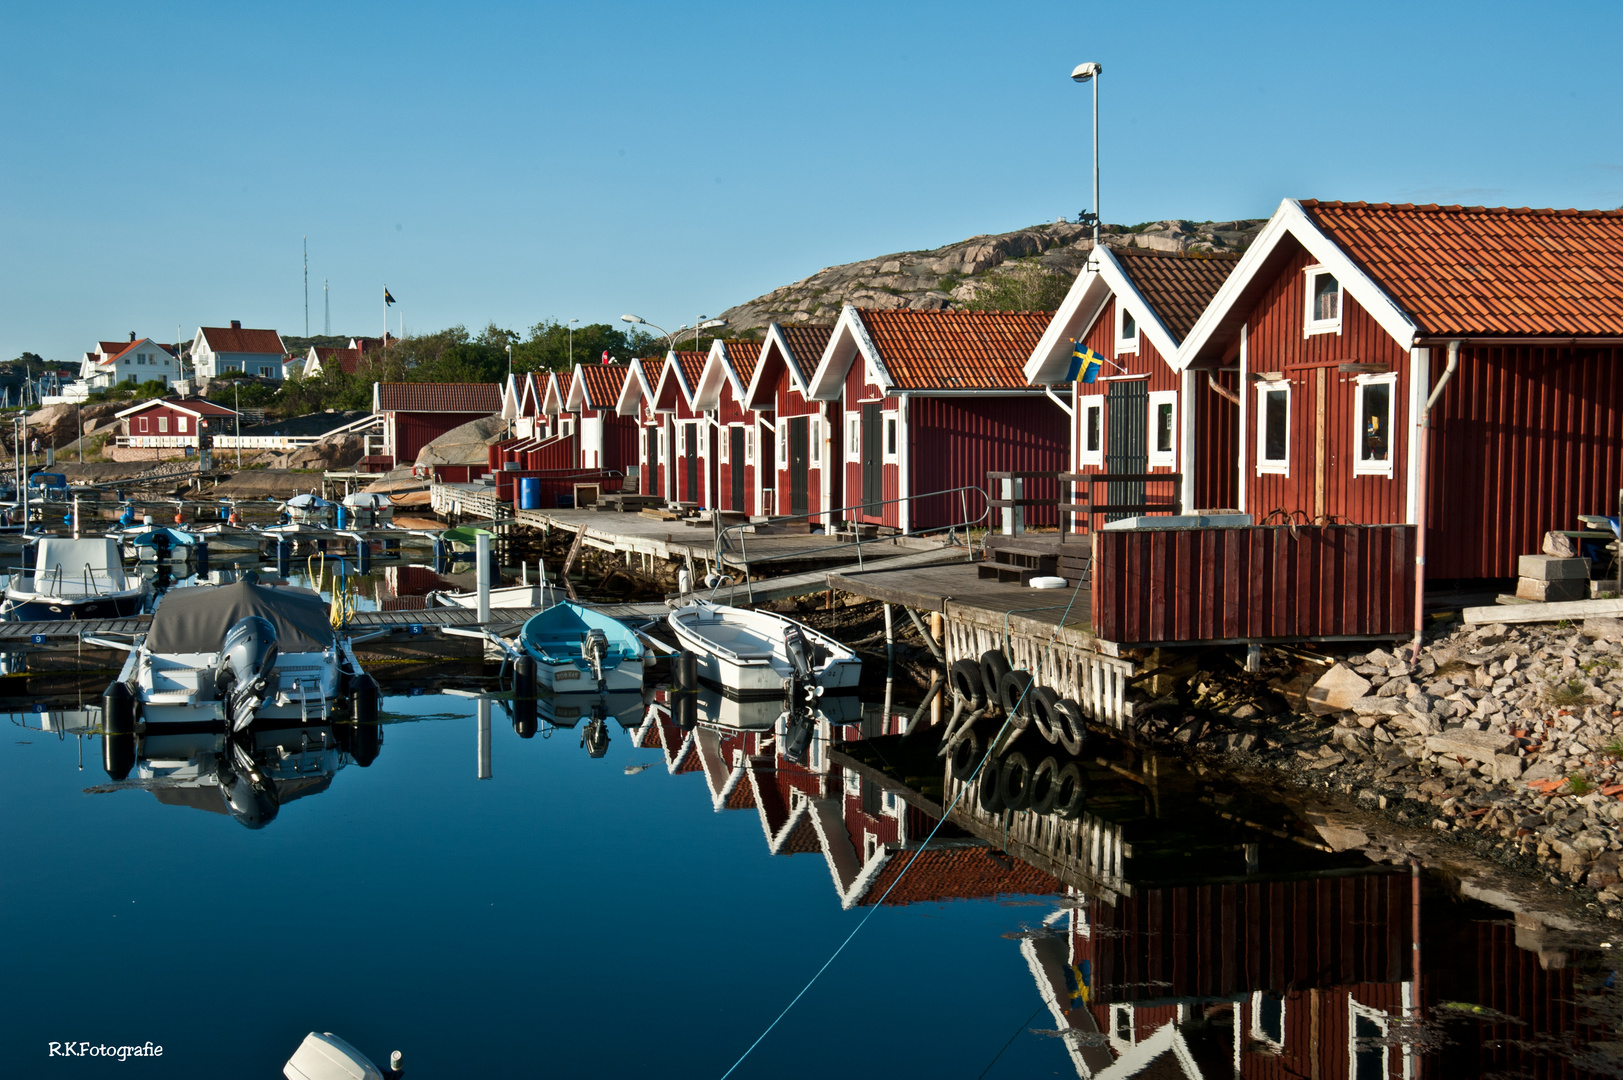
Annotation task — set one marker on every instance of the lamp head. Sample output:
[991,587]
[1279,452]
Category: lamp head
[708,324]
[633,319]
[1084,72]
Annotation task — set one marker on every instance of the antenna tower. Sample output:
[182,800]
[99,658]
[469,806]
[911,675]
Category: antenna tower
[326,305]
[306,286]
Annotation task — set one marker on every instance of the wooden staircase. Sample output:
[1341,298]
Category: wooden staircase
[1018,559]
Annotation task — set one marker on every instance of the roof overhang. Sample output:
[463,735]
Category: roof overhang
[1103,277]
[775,343]
[718,374]
[552,402]
[672,385]
[850,339]
[1221,320]
[634,391]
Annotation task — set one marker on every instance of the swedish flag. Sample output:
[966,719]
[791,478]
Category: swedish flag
[387,299]
[1085,364]
[1077,977]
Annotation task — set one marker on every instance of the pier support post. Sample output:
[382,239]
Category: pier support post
[484,737]
[482,577]
[1253,658]
[890,634]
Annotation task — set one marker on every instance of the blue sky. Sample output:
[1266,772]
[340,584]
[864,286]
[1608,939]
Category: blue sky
[528,161]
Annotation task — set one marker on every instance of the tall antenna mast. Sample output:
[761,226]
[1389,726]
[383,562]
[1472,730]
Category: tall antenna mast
[326,304]
[306,286]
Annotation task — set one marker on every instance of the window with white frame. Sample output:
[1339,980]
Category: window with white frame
[163,425]
[1268,1019]
[1092,444]
[664,445]
[1126,330]
[681,438]
[853,436]
[814,435]
[1323,302]
[1163,429]
[783,443]
[1366,1042]
[180,424]
[1372,406]
[726,444]
[1274,427]
[891,438]
[143,421]
[749,446]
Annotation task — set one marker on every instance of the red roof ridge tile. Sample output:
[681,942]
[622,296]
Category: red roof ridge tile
[1332,204]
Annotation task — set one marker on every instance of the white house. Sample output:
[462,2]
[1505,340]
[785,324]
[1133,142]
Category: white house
[221,350]
[137,360]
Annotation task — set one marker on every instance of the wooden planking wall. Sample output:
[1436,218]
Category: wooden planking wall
[1096,682]
[1217,453]
[1276,344]
[858,389]
[956,441]
[1184,585]
[1524,439]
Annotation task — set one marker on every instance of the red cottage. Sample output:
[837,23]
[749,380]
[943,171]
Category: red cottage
[802,473]
[937,401]
[415,414]
[169,427]
[554,388]
[607,440]
[687,476]
[743,437]
[636,401]
[1133,308]
[1345,322]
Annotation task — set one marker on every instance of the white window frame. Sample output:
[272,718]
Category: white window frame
[783,443]
[1125,343]
[749,446]
[1374,468]
[1354,1011]
[180,424]
[163,425]
[890,425]
[814,440]
[1259,1035]
[1122,1043]
[1310,325]
[681,439]
[853,436]
[1264,466]
[1084,456]
[726,448]
[1162,459]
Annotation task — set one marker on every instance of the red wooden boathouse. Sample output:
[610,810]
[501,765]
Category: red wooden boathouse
[743,438]
[415,414]
[687,465]
[806,460]
[606,440]
[636,401]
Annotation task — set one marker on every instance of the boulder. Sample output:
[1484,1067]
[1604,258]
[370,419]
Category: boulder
[333,452]
[58,425]
[1336,690]
[1481,746]
[465,445]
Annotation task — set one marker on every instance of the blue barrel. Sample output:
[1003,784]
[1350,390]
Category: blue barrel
[529,493]
[343,515]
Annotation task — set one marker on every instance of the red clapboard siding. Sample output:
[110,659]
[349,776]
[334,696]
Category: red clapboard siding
[1177,585]
[956,441]
[1217,431]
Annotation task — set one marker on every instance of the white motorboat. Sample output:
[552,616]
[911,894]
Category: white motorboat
[368,510]
[304,512]
[720,710]
[758,653]
[75,579]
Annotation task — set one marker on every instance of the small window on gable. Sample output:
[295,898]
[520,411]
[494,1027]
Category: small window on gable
[1126,330]
[1323,302]
[1372,405]
[1163,449]
[1093,430]
[1273,427]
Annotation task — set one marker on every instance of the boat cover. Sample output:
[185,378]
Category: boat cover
[195,619]
[307,501]
[367,500]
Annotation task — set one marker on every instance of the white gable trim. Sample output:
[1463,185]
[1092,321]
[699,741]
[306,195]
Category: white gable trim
[717,370]
[849,339]
[634,390]
[1104,277]
[1291,220]
[673,370]
[775,337]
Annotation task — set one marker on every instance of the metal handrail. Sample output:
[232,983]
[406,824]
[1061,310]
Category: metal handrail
[1070,481]
[964,523]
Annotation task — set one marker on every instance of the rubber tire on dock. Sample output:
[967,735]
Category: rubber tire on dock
[1014,781]
[1042,786]
[1070,791]
[1044,715]
[1073,732]
[993,668]
[965,754]
[965,679]
[988,788]
[1014,693]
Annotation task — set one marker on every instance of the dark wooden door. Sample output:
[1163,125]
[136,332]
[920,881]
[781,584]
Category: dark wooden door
[735,452]
[1127,414]
[799,465]
[692,462]
[650,483]
[873,467]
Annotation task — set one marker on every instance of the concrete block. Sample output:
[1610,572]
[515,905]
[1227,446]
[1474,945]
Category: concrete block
[1481,746]
[1552,568]
[1557,591]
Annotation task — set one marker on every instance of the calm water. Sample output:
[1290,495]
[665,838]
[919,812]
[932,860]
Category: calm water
[567,918]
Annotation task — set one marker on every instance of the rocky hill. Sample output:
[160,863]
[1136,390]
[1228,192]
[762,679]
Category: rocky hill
[952,276]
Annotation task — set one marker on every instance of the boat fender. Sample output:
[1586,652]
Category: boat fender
[368,735]
[118,731]
[685,698]
[993,668]
[1070,791]
[964,755]
[1042,787]
[1044,715]
[965,676]
[987,787]
[1014,693]
[1014,781]
[1073,732]
[524,707]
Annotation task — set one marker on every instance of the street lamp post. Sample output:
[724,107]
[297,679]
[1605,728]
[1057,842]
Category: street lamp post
[1089,72]
[509,361]
[638,320]
[700,324]
[572,323]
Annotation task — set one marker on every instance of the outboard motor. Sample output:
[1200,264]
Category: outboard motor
[244,669]
[249,793]
[797,737]
[594,645]
[595,737]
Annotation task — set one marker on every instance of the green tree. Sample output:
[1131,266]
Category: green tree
[1021,285]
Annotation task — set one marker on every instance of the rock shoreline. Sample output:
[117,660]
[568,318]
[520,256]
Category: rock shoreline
[1505,739]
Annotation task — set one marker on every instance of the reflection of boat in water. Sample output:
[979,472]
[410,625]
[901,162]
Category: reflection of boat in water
[155,543]
[591,712]
[227,539]
[716,709]
[464,538]
[577,649]
[368,510]
[754,652]
[74,579]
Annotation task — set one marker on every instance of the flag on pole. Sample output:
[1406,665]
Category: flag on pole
[605,356]
[1077,988]
[387,299]
[1085,364]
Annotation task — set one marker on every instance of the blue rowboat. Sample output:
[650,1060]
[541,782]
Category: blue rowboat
[578,650]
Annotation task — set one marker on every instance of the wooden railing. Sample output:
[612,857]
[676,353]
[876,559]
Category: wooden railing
[1075,495]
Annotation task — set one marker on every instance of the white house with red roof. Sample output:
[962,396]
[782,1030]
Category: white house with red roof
[223,350]
[137,360]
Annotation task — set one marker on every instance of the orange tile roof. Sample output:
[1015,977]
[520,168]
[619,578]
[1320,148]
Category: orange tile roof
[483,398]
[229,339]
[111,348]
[603,383]
[692,366]
[1177,286]
[1471,270]
[958,873]
[743,355]
[807,344]
[956,350]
